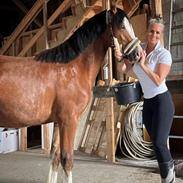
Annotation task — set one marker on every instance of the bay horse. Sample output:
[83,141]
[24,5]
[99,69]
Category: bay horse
[56,84]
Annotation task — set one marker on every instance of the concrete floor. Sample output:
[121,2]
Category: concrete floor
[32,167]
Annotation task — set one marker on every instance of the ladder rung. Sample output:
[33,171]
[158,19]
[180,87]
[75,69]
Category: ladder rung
[176,60]
[177,10]
[177,44]
[177,27]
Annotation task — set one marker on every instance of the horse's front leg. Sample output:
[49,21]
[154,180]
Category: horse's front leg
[67,135]
[55,156]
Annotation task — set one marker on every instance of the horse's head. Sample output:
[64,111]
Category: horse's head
[123,31]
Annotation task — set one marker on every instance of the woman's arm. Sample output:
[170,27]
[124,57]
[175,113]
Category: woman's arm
[157,76]
[123,64]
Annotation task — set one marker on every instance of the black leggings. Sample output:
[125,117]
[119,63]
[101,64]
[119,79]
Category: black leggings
[157,117]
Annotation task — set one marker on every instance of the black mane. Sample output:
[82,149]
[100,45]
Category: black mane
[72,47]
[82,37]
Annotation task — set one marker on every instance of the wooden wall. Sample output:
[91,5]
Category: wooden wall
[176,36]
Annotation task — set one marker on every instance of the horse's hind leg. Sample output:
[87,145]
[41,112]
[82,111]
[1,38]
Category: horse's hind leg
[55,156]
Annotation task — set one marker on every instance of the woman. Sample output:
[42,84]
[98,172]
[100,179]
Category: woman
[158,109]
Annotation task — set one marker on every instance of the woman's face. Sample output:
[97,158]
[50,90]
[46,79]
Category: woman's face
[154,33]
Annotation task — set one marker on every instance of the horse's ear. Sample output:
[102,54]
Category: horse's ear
[113,4]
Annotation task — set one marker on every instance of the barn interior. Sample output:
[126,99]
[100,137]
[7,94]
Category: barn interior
[29,26]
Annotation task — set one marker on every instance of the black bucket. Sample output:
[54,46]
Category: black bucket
[127,93]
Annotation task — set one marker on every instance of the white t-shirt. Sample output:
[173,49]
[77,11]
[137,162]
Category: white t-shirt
[158,55]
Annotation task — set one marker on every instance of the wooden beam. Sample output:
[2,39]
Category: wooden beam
[66,4]
[159,12]
[110,107]
[45,21]
[23,139]
[21,6]
[23,25]
[89,12]
[134,8]
[46,136]
[45,131]
[158,8]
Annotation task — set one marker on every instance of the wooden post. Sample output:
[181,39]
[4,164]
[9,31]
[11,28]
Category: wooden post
[158,8]
[23,139]
[46,136]
[45,23]
[45,129]
[159,12]
[110,107]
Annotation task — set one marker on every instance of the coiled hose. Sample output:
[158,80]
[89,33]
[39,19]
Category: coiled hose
[136,147]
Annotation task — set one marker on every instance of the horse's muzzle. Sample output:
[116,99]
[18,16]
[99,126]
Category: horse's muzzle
[131,52]
[132,56]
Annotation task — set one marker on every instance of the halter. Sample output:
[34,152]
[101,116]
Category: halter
[131,47]
[114,42]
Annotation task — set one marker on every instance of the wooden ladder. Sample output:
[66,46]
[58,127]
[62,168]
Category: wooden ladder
[94,135]
[130,6]
[34,11]
[80,15]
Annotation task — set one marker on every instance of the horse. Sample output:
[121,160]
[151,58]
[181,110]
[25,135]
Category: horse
[56,84]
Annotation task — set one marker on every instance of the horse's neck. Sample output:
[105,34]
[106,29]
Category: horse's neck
[95,59]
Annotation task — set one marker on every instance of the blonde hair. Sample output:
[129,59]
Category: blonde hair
[157,20]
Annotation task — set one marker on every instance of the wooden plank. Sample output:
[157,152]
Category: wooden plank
[140,31]
[45,16]
[97,117]
[89,12]
[23,139]
[94,140]
[120,123]
[110,109]
[89,123]
[101,144]
[23,24]
[66,4]
[158,8]
[46,136]
[132,9]
[21,6]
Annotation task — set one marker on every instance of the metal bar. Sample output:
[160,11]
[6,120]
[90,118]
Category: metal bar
[170,24]
[175,137]
[178,117]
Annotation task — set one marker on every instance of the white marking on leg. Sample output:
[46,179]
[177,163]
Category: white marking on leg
[68,178]
[52,176]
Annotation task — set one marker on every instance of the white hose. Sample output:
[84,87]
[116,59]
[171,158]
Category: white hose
[136,147]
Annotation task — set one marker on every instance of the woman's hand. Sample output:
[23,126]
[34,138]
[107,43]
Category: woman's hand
[142,58]
[118,54]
